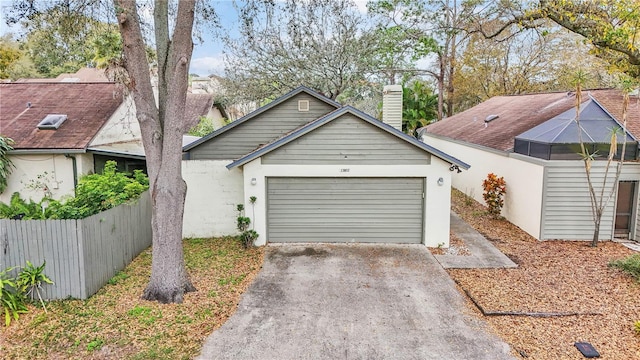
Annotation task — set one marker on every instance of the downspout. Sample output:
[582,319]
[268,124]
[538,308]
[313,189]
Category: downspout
[75,170]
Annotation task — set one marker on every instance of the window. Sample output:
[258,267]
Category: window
[52,121]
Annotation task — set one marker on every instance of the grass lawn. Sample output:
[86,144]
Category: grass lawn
[116,324]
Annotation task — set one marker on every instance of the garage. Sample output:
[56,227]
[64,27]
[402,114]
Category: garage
[345,209]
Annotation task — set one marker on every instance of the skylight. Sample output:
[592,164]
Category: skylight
[52,121]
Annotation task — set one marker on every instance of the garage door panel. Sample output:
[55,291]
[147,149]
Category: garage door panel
[345,234]
[345,210]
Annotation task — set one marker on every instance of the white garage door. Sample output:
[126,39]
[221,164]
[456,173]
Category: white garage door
[370,210]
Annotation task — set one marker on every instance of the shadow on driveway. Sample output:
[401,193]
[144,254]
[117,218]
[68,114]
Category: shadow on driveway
[352,302]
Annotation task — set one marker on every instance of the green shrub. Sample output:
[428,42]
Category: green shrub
[247,237]
[11,298]
[203,128]
[18,208]
[629,264]
[30,280]
[6,166]
[94,193]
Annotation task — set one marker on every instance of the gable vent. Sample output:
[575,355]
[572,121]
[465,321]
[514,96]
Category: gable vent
[303,105]
[52,121]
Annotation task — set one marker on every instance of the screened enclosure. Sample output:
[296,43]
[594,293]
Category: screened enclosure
[559,139]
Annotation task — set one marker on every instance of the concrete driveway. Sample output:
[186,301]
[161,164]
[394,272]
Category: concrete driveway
[352,302]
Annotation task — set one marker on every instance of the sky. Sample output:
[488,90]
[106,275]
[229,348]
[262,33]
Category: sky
[207,56]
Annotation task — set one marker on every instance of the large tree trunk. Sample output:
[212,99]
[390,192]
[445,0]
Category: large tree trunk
[451,63]
[162,129]
[440,81]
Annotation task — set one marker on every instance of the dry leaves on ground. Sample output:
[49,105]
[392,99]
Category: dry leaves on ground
[456,247]
[116,324]
[553,277]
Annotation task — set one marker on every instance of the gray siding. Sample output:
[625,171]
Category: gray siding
[635,233]
[375,210]
[81,255]
[348,140]
[566,208]
[261,129]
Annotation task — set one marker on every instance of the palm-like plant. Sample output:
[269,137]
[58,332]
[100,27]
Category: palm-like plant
[419,106]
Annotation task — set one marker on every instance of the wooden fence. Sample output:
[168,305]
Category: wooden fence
[81,255]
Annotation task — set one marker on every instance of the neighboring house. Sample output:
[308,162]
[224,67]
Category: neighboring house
[59,129]
[532,140]
[213,85]
[97,123]
[320,172]
[203,105]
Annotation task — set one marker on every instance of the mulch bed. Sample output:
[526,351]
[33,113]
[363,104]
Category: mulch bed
[553,278]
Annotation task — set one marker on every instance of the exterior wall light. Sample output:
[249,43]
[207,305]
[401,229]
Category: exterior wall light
[440,181]
[254,181]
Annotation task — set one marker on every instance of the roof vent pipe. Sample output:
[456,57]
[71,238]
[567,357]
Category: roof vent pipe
[491,118]
[392,106]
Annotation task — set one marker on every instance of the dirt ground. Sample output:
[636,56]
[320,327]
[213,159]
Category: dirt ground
[562,292]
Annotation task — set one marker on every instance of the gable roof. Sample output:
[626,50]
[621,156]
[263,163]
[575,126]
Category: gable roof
[88,107]
[519,113]
[261,110]
[305,129]
[197,105]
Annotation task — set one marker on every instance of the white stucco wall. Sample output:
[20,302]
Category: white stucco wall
[213,192]
[122,125]
[59,177]
[524,178]
[438,199]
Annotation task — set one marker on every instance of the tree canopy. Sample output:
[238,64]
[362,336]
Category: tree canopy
[611,27]
[321,44]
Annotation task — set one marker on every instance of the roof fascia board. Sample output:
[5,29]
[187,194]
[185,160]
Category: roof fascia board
[468,144]
[116,153]
[334,115]
[46,151]
[410,139]
[261,110]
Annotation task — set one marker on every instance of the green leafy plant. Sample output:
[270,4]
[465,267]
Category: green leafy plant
[494,189]
[6,166]
[11,299]
[30,280]
[18,209]
[247,237]
[203,128]
[94,193]
[636,326]
[630,265]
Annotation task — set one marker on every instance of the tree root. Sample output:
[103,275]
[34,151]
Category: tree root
[164,296]
[536,314]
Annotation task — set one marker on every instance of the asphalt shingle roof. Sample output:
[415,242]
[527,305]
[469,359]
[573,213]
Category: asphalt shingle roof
[519,113]
[88,106]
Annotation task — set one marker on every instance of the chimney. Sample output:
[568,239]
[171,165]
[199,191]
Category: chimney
[392,106]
